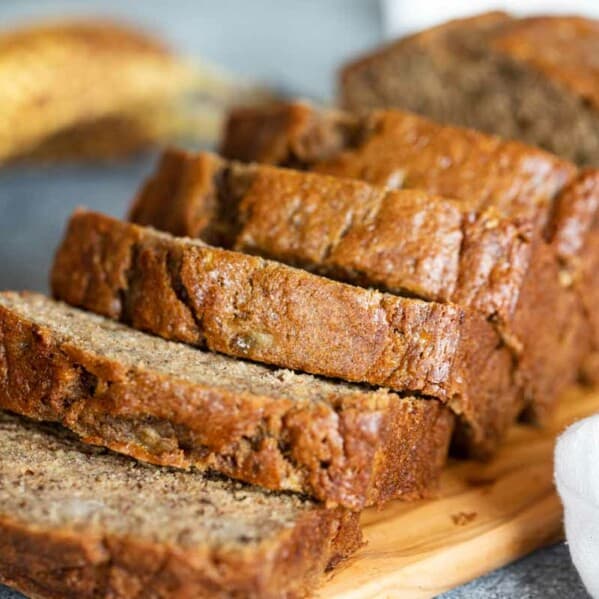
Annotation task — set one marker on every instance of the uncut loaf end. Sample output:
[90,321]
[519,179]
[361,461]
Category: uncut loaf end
[265,311]
[533,79]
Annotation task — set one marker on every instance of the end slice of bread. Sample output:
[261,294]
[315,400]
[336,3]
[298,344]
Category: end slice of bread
[78,521]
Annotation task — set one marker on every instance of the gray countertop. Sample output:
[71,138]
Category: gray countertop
[310,38]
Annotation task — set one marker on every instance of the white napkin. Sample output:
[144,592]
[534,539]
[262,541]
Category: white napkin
[577,480]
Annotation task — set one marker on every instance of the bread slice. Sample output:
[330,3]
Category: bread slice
[400,241]
[533,79]
[395,240]
[265,311]
[170,404]
[78,521]
[399,150]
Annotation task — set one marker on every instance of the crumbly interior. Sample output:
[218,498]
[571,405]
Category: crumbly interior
[49,479]
[138,350]
[457,80]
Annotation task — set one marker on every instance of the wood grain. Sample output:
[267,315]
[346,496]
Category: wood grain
[486,516]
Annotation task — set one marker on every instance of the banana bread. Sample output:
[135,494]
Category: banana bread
[401,241]
[170,404]
[78,521]
[399,149]
[265,311]
[534,79]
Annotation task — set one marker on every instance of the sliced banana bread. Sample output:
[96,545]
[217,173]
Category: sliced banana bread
[534,79]
[401,241]
[398,149]
[170,404]
[261,310]
[78,521]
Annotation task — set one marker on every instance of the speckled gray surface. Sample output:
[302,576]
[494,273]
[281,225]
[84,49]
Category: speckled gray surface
[310,37]
[546,574]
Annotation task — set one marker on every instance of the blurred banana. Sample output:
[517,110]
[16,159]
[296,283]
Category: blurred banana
[97,89]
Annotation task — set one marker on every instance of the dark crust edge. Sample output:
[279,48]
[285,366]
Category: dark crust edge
[64,564]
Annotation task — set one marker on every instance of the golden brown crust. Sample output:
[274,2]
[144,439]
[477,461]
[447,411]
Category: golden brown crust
[352,449]
[393,240]
[401,150]
[461,163]
[397,240]
[251,308]
[64,563]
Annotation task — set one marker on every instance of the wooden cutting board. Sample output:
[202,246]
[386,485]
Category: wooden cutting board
[486,516]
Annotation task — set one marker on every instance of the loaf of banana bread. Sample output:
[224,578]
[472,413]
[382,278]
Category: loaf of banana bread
[400,241]
[173,405]
[533,79]
[264,311]
[78,521]
[402,150]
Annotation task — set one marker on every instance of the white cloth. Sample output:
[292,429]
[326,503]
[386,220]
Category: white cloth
[577,480]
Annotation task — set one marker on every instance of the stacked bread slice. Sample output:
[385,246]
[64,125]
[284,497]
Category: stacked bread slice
[318,337]
[265,311]
[492,261]
[167,403]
